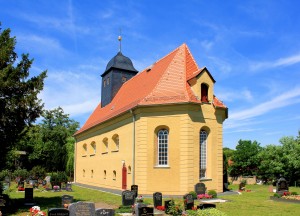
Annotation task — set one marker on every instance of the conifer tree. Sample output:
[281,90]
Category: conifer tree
[19,102]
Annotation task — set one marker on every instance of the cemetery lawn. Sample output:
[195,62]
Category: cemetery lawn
[256,202]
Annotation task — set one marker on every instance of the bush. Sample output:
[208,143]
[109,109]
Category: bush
[206,212]
[277,195]
[213,193]
[194,194]
[23,173]
[38,172]
[294,193]
[3,174]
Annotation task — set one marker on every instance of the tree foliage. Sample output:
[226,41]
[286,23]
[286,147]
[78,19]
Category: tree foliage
[19,103]
[245,158]
[51,141]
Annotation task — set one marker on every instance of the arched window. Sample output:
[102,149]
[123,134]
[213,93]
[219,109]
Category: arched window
[203,153]
[114,175]
[129,170]
[116,141]
[105,145]
[93,148]
[84,150]
[162,147]
[204,92]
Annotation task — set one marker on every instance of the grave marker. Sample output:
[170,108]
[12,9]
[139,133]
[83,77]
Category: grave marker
[282,185]
[69,187]
[66,200]
[128,198]
[157,199]
[58,212]
[29,196]
[200,188]
[82,209]
[105,212]
[145,211]
[188,201]
[135,188]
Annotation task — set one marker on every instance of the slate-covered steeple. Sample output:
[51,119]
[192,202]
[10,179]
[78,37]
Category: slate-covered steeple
[118,70]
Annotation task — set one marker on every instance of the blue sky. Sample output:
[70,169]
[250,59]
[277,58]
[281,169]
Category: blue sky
[252,49]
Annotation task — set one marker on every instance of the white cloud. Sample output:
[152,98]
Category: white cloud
[283,100]
[281,62]
[39,44]
[230,95]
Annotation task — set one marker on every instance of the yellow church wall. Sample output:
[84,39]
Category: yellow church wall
[109,160]
[184,122]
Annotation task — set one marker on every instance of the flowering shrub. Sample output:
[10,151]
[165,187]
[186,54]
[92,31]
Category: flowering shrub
[139,199]
[204,196]
[36,211]
[286,193]
[160,208]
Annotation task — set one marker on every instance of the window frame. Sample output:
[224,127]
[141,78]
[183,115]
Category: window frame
[203,154]
[162,148]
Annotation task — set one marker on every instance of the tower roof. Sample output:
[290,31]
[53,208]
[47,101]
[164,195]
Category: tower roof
[119,61]
[164,82]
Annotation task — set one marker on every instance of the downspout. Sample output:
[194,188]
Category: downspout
[75,154]
[133,147]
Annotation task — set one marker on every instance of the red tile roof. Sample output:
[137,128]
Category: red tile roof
[164,82]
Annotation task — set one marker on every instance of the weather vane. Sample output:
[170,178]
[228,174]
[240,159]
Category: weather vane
[120,40]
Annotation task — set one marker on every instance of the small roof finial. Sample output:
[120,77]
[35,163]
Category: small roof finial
[120,40]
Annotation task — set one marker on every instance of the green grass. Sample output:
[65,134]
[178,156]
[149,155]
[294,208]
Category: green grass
[256,202]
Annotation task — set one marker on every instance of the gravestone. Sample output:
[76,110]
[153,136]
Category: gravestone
[63,186]
[200,188]
[4,203]
[104,212]
[135,188]
[47,179]
[128,198]
[58,212]
[137,206]
[242,186]
[282,185]
[29,196]
[66,200]
[21,184]
[82,209]
[188,201]
[145,211]
[157,199]
[69,187]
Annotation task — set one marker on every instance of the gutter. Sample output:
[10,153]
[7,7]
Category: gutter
[133,147]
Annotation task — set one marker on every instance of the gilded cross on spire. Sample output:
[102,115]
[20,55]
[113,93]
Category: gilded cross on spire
[120,40]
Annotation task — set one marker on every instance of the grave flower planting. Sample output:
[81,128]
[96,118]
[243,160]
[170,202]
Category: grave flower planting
[204,196]
[36,211]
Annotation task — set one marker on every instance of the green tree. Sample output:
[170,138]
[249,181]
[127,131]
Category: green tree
[245,158]
[51,144]
[19,103]
[271,163]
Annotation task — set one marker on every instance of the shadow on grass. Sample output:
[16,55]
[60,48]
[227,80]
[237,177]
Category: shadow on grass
[17,204]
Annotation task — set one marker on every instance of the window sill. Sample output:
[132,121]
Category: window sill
[115,151]
[104,153]
[205,179]
[83,155]
[162,166]
[91,155]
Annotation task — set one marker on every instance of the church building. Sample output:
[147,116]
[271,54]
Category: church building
[160,128]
